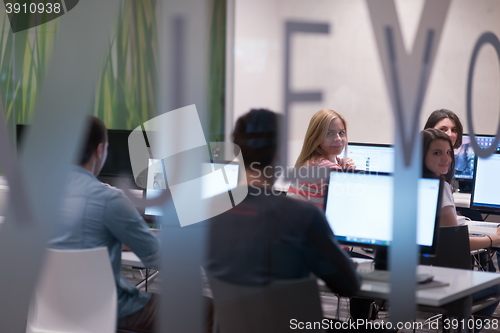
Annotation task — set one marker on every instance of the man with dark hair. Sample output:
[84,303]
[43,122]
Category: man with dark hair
[96,134]
[269,237]
[95,215]
[255,133]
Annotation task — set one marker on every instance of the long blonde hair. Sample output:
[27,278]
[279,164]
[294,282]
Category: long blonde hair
[316,133]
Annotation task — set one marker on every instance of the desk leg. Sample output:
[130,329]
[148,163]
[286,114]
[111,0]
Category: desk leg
[458,310]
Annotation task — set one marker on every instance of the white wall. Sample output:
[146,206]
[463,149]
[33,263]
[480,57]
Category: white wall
[346,67]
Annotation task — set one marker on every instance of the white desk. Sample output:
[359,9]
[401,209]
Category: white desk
[462,200]
[129,258]
[461,284]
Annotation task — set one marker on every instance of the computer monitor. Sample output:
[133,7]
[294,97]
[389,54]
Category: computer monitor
[117,163]
[118,160]
[464,160]
[359,209]
[464,155]
[485,194]
[156,181]
[371,156]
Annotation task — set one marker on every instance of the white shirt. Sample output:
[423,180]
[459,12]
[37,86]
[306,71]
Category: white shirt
[447,198]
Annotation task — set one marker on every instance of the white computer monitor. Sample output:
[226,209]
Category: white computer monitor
[485,191]
[210,185]
[371,157]
[359,209]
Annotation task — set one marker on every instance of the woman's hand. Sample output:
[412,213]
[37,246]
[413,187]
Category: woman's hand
[349,163]
[495,239]
[485,242]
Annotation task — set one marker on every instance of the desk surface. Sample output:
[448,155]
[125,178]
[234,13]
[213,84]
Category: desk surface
[461,199]
[461,283]
[130,259]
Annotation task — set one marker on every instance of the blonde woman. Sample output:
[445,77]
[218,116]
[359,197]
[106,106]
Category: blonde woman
[325,139]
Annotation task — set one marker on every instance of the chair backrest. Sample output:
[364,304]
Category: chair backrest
[271,308]
[453,249]
[76,292]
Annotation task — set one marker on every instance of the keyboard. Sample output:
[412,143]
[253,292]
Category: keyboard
[383,276]
[482,228]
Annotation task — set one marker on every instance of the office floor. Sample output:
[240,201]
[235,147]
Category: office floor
[330,305]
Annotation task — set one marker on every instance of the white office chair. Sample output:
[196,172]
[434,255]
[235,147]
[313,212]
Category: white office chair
[76,293]
[264,309]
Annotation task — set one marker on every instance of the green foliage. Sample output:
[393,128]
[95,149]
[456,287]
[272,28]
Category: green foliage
[24,57]
[216,96]
[126,91]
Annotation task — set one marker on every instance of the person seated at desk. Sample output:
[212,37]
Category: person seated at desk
[325,139]
[268,237]
[438,162]
[95,215]
[447,122]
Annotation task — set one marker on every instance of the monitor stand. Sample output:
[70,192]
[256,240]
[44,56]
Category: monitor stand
[463,186]
[380,260]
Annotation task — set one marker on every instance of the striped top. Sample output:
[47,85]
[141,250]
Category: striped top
[313,193]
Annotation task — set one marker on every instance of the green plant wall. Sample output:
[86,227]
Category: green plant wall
[217,74]
[125,95]
[126,91]
[24,57]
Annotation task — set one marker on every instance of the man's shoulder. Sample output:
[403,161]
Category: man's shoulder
[89,185]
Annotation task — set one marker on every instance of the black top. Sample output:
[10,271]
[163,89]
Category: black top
[268,237]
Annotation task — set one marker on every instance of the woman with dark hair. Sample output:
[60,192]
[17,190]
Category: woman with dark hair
[438,162]
[448,122]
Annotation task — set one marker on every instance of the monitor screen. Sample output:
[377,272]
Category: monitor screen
[371,225]
[117,163]
[371,157]
[485,194]
[118,160]
[464,155]
[210,185]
